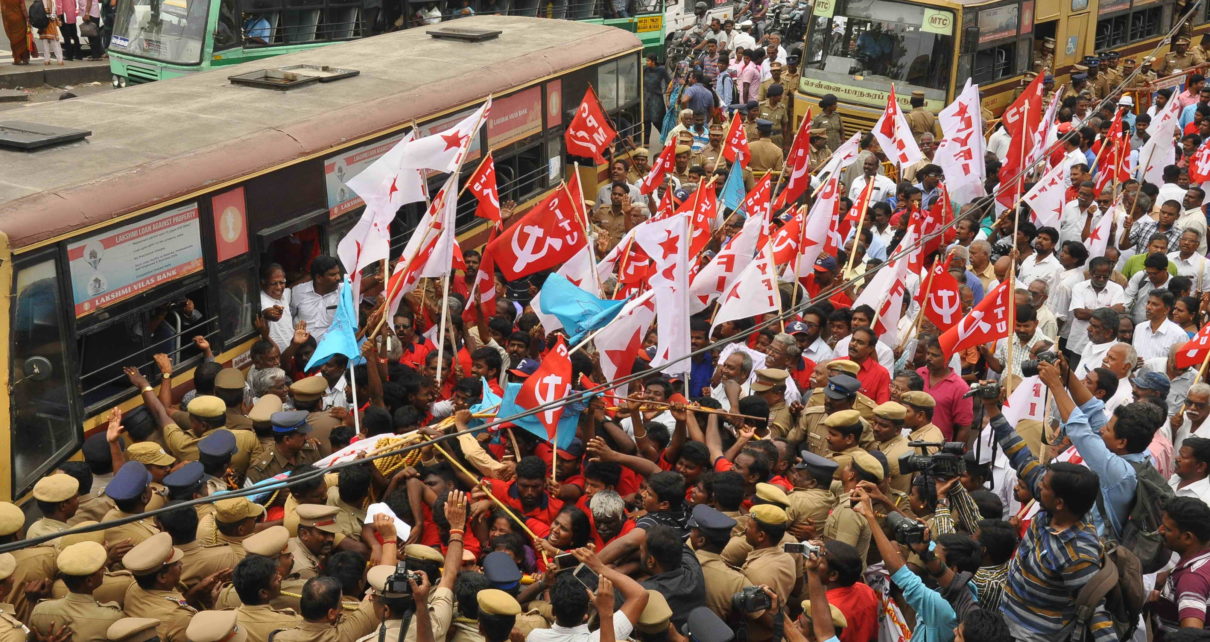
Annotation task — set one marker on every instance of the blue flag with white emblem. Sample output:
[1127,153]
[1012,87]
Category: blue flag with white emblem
[578,310]
[341,336]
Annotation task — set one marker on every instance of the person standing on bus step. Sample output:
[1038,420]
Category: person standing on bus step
[315,301]
[48,36]
[827,122]
[1047,55]
[920,119]
[275,306]
[766,156]
[773,109]
[1179,58]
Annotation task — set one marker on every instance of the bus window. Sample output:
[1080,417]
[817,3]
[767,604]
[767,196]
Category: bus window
[170,31]
[294,252]
[42,427]
[869,43]
[994,63]
[130,337]
[226,35]
[1128,27]
[239,299]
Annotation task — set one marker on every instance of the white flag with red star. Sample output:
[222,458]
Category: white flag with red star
[895,135]
[1098,234]
[722,271]
[960,154]
[819,236]
[884,293]
[667,243]
[753,292]
[619,342]
[444,150]
[1047,197]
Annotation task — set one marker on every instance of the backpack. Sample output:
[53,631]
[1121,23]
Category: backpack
[1118,586]
[37,15]
[1140,533]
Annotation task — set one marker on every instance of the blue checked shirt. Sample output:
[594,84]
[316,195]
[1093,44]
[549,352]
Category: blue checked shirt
[1117,476]
[1050,566]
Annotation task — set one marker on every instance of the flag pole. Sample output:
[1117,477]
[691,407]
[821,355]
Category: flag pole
[865,202]
[577,205]
[356,406]
[445,308]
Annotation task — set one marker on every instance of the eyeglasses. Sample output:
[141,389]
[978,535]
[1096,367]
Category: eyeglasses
[277,282]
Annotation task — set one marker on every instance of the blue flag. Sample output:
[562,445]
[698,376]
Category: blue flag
[486,405]
[567,422]
[670,114]
[578,310]
[733,189]
[341,337]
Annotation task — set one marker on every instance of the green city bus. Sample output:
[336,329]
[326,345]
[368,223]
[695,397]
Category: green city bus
[160,39]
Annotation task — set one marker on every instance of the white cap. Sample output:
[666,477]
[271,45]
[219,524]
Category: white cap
[746,23]
[1126,101]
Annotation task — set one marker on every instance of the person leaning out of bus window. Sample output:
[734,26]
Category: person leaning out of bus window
[257,30]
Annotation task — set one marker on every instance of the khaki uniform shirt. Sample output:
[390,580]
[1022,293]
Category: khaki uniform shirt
[45,526]
[350,518]
[846,525]
[1174,61]
[614,223]
[306,564]
[818,157]
[93,507]
[168,607]
[87,618]
[843,458]
[274,462]
[810,505]
[832,128]
[922,121]
[709,156]
[441,615]
[774,568]
[353,625]
[766,156]
[236,420]
[778,116]
[201,561]
[136,531]
[721,580]
[464,630]
[11,629]
[894,448]
[262,619]
[781,422]
[863,405]
[322,424]
[927,432]
[35,563]
[810,431]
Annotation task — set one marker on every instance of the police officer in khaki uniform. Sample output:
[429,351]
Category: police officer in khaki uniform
[921,120]
[888,433]
[1179,58]
[82,567]
[130,491]
[1046,57]
[261,415]
[216,626]
[766,155]
[1147,72]
[292,446]
[840,393]
[770,384]
[919,417]
[156,565]
[819,153]
[158,463]
[234,520]
[1109,68]
[206,413]
[113,583]
[811,500]
[57,497]
[844,523]
[681,165]
[827,123]
[863,404]
[336,624]
[308,395]
[258,583]
[768,564]
[229,386]
[739,547]
[775,78]
[11,628]
[844,429]
[316,530]
[135,629]
[710,532]
[773,109]
[271,543]
[713,150]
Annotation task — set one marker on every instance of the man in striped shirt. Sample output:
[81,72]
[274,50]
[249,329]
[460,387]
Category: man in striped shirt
[1059,552]
[1183,598]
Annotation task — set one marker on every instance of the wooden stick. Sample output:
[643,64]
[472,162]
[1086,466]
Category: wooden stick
[695,408]
[864,201]
[445,295]
[513,440]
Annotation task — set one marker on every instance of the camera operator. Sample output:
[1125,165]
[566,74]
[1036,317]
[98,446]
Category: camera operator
[935,616]
[570,601]
[396,607]
[768,564]
[826,621]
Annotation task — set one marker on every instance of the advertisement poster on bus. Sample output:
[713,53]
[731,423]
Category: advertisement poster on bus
[340,168]
[117,264]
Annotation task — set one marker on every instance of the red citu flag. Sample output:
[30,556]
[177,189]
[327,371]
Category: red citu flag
[1022,119]
[550,382]
[663,164]
[1199,165]
[985,324]
[1194,352]
[735,145]
[942,305]
[798,164]
[546,237]
[483,290]
[483,185]
[589,132]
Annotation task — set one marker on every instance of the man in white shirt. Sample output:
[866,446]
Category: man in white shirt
[863,316]
[1189,422]
[315,301]
[1072,154]
[1087,299]
[1189,261]
[807,333]
[999,142]
[1077,214]
[736,367]
[1042,264]
[1037,295]
[1193,218]
[1157,336]
[1192,468]
[883,189]
[1120,359]
[1025,336]
[571,606]
[744,38]
[1153,277]
[1170,190]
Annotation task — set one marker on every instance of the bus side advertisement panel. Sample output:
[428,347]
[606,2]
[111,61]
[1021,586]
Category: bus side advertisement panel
[117,264]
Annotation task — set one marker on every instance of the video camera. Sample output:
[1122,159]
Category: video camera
[398,581]
[751,599]
[947,463]
[989,390]
[905,531]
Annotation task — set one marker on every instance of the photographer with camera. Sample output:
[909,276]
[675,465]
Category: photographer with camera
[1059,552]
[397,598]
[570,601]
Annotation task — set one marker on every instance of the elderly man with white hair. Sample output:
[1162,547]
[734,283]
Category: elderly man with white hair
[784,353]
[737,367]
[1121,360]
[1189,421]
[980,263]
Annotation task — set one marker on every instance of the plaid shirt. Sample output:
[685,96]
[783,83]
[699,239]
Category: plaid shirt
[1142,231]
[1050,567]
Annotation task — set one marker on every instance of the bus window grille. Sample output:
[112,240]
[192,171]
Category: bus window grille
[140,358]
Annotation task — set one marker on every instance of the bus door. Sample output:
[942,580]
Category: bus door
[294,244]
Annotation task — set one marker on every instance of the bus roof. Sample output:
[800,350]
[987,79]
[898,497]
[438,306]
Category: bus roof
[155,142]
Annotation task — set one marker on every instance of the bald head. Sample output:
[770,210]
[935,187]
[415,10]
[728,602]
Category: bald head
[1001,267]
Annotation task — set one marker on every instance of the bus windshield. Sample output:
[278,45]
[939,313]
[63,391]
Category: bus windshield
[870,43]
[168,30]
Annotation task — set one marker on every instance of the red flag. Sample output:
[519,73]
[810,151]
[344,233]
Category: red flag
[735,145]
[1022,119]
[756,202]
[1111,152]
[702,208]
[549,382]
[785,240]
[483,290]
[942,305]
[663,164]
[666,207]
[798,162]
[483,185]
[985,324]
[545,237]
[855,210]
[589,132]
[1193,353]
[1199,166]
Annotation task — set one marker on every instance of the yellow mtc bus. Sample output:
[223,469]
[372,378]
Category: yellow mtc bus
[155,228]
[855,49]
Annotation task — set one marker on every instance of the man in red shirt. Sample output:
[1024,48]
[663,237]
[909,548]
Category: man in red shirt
[875,380]
[527,495]
[953,414]
[842,572]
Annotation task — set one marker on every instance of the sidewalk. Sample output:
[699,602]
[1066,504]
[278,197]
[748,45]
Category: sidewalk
[37,74]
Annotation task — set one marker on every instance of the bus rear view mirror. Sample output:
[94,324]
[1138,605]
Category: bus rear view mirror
[35,369]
